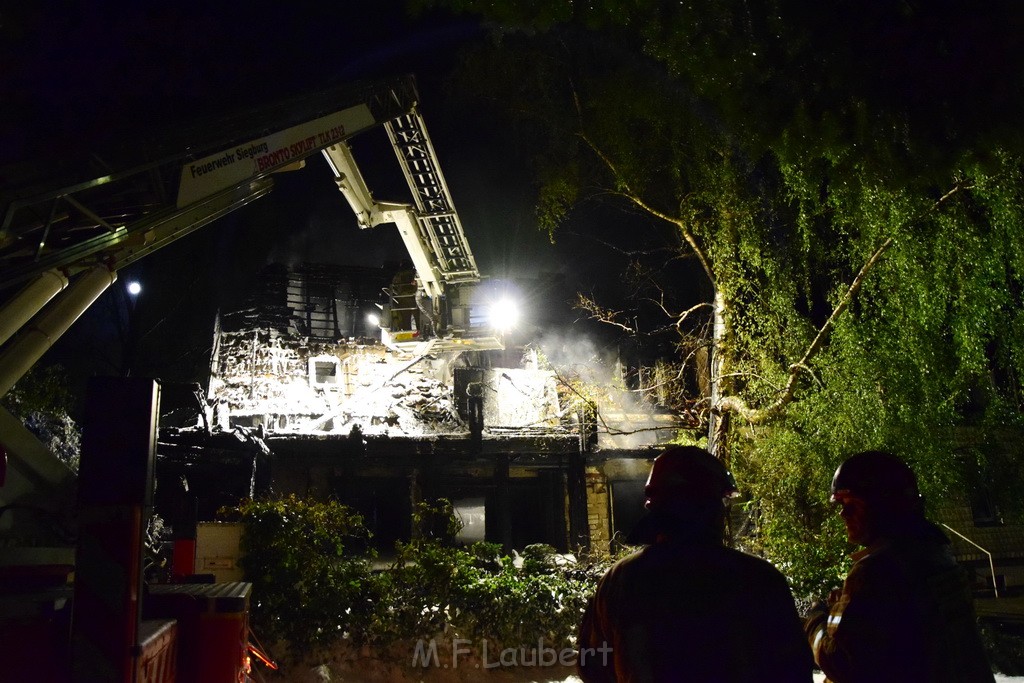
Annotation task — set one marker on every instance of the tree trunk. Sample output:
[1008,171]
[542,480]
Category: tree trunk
[715,371]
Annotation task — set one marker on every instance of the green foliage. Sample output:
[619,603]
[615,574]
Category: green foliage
[787,481]
[927,347]
[436,522]
[42,400]
[477,593]
[312,583]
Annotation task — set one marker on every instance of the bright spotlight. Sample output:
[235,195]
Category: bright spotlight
[504,315]
[373,319]
[134,288]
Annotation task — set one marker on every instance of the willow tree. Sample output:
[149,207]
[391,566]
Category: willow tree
[861,245]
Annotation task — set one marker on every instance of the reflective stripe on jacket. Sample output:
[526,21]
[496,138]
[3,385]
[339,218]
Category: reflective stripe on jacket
[905,614]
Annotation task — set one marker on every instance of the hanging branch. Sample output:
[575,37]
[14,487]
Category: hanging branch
[756,416]
[762,415]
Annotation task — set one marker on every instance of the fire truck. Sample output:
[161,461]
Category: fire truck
[63,241]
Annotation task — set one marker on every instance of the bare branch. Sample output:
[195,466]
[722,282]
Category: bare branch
[632,253]
[681,318]
[635,198]
[601,314]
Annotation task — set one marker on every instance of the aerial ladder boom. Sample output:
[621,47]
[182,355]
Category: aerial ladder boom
[125,209]
[430,228]
[439,222]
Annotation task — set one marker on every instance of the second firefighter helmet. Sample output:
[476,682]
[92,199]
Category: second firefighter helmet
[877,476]
[687,473]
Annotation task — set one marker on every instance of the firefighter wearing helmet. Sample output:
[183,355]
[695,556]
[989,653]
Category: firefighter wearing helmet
[905,611]
[685,607]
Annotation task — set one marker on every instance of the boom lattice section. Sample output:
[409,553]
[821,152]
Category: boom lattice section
[438,220]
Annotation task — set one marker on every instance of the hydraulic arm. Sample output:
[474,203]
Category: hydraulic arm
[446,271]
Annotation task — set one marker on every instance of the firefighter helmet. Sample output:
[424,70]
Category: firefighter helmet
[876,476]
[687,473]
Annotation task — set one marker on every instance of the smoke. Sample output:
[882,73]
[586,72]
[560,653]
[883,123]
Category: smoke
[627,468]
[595,373]
[579,352]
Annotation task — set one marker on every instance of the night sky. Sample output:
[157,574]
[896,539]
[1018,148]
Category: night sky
[81,75]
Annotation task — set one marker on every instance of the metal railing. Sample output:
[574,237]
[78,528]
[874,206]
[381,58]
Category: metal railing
[991,564]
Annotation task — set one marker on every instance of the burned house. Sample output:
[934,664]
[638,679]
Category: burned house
[379,427]
[498,432]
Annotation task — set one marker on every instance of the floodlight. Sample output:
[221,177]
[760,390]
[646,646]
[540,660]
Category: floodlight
[504,314]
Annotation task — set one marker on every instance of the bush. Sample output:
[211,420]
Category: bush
[310,571]
[478,594]
[313,587]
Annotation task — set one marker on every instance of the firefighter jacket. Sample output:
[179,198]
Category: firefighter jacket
[692,612]
[905,613]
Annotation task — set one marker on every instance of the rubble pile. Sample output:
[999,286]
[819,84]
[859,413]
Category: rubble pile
[290,384]
[410,406]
